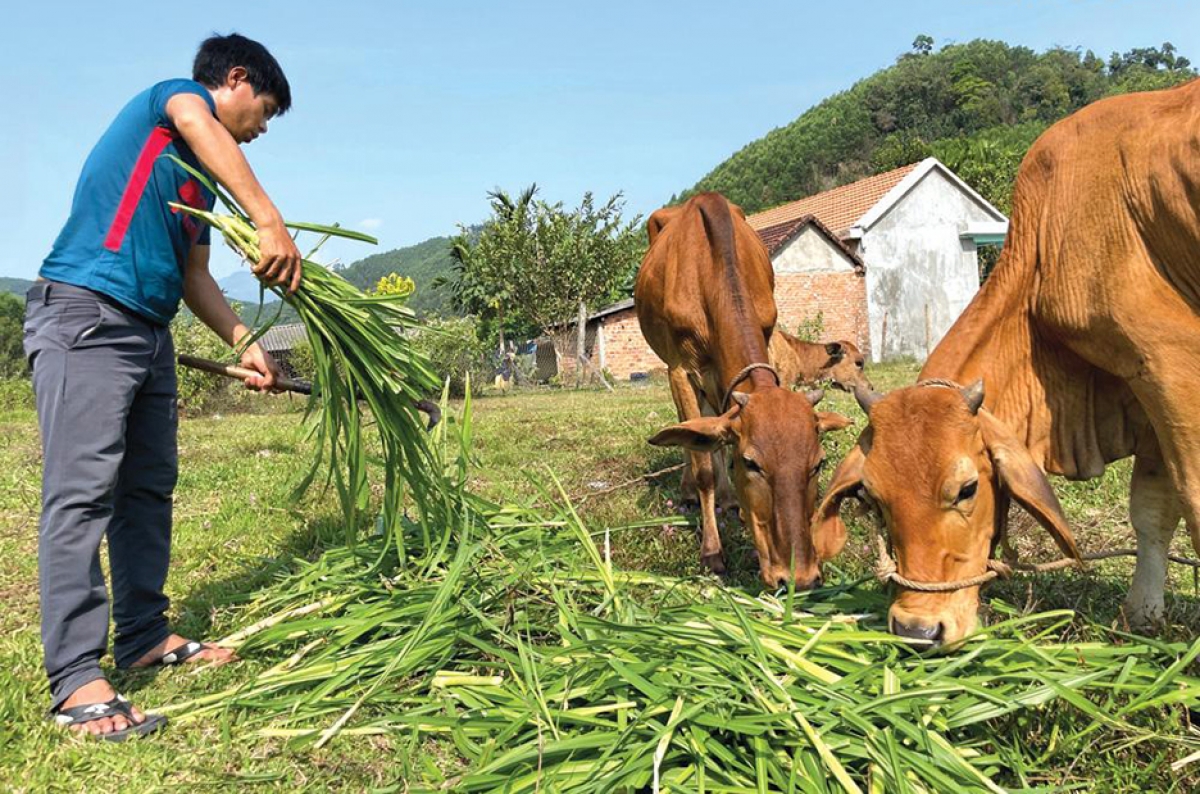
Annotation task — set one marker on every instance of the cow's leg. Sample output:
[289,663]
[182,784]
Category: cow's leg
[726,497]
[687,488]
[688,407]
[1167,389]
[1154,510]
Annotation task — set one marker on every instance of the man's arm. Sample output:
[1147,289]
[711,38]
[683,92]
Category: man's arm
[205,299]
[220,155]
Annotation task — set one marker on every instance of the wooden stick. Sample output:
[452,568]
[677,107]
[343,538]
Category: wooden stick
[241,373]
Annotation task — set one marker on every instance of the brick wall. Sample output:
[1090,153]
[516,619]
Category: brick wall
[840,298]
[625,349]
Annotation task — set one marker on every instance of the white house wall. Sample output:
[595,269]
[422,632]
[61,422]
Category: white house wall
[810,252]
[920,273]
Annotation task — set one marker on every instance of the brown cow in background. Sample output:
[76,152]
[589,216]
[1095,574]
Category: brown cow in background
[1082,348]
[705,302]
[803,364]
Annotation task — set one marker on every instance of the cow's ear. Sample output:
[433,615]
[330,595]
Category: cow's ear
[835,351]
[1025,481]
[659,219]
[699,435]
[828,531]
[829,420]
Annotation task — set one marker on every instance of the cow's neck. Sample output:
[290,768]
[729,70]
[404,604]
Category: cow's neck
[1073,417]
[739,344]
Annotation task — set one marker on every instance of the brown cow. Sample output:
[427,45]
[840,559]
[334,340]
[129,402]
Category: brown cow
[705,302]
[1087,338]
[803,364]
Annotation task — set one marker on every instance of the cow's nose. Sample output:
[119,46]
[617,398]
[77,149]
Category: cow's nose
[922,633]
[811,584]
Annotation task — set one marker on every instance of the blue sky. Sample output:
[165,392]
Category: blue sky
[406,114]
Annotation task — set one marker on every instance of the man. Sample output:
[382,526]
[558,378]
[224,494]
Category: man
[96,334]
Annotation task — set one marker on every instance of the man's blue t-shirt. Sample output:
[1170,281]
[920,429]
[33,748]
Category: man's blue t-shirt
[121,239]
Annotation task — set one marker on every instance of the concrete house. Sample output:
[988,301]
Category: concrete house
[917,230]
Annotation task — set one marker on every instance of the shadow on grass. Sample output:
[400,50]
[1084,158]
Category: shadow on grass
[194,612]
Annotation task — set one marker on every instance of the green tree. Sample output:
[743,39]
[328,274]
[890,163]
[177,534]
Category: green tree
[544,264]
[12,320]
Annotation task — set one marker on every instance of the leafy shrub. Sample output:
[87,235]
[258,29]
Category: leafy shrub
[300,360]
[12,318]
[199,390]
[16,394]
[454,348]
[811,329]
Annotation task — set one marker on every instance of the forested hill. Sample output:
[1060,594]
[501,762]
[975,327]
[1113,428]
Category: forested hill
[422,263]
[16,286]
[976,106]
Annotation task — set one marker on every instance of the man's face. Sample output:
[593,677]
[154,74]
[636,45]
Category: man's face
[242,112]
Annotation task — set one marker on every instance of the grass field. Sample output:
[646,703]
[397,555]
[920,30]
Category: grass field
[235,531]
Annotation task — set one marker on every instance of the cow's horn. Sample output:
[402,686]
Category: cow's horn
[740,397]
[866,398]
[973,394]
[815,396]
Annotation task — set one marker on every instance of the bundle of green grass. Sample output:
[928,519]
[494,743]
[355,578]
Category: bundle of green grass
[505,636]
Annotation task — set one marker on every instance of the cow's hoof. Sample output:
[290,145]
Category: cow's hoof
[714,563]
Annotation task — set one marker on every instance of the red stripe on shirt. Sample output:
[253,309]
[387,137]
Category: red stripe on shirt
[136,185]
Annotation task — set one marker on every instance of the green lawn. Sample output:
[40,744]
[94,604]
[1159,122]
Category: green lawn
[235,530]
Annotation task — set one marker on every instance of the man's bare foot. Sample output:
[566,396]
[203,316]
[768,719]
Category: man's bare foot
[98,691]
[213,654]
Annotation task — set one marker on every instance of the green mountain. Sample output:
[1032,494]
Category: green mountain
[16,286]
[422,263]
[976,106]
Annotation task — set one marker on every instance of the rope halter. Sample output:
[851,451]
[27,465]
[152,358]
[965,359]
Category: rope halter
[741,376]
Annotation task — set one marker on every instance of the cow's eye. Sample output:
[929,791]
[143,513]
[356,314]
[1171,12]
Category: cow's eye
[751,464]
[858,364]
[967,491]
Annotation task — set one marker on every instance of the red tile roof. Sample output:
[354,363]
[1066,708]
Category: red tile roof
[775,238]
[838,209]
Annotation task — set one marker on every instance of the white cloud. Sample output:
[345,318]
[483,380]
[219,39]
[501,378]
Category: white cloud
[370,223]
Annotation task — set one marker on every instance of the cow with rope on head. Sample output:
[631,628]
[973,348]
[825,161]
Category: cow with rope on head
[1079,350]
[705,302]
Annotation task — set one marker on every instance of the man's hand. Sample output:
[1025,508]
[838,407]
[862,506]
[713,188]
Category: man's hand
[260,361]
[279,259]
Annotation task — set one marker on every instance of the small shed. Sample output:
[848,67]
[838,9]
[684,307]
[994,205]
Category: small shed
[817,276]
[279,340]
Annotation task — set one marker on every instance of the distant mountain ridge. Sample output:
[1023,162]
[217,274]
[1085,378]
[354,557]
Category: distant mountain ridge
[16,286]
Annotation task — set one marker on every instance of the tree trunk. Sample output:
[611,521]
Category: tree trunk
[580,346]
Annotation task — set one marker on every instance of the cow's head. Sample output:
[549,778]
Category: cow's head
[846,367]
[773,435]
[941,470]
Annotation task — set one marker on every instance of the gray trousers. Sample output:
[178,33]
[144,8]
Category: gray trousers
[104,380]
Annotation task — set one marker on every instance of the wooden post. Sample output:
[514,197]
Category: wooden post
[927,330]
[883,337]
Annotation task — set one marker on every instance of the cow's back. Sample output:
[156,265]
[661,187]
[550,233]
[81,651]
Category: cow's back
[706,273]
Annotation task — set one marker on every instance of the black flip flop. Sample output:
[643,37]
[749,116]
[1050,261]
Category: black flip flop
[119,705]
[182,653]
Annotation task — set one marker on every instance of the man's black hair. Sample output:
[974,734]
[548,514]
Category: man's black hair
[218,54]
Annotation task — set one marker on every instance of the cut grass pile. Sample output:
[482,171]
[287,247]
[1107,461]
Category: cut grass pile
[507,634]
[512,638]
